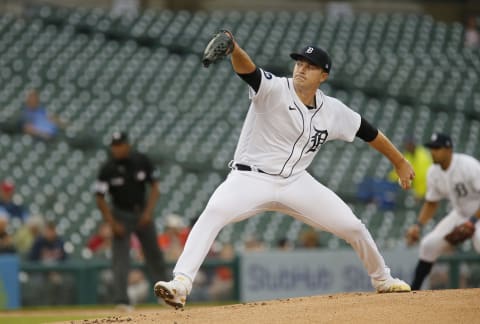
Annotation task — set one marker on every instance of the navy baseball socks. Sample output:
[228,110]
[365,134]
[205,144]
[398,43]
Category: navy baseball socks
[421,272]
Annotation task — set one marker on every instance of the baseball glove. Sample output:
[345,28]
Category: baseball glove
[219,46]
[460,233]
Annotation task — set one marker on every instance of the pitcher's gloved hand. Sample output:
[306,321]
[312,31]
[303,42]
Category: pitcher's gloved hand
[219,46]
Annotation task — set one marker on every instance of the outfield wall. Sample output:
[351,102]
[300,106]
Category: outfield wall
[274,274]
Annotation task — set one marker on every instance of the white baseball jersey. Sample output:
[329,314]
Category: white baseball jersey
[460,183]
[281,136]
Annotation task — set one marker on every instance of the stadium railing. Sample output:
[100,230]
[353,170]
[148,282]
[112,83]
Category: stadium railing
[454,262]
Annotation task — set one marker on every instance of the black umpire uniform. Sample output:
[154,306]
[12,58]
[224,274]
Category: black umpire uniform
[125,177]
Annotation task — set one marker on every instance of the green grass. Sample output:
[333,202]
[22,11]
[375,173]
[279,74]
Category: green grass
[46,314]
[36,319]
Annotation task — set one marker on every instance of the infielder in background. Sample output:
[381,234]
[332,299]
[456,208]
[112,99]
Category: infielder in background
[455,177]
[289,119]
[125,176]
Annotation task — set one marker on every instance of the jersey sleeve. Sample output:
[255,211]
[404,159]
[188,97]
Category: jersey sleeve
[268,85]
[433,193]
[253,79]
[101,184]
[346,121]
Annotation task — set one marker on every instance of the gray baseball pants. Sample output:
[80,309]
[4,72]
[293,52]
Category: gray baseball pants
[154,260]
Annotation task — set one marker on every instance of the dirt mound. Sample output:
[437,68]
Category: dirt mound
[439,306]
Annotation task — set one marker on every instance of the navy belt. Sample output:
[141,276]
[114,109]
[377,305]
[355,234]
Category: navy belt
[243,167]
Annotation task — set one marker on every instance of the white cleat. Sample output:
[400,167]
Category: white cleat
[390,285]
[174,292]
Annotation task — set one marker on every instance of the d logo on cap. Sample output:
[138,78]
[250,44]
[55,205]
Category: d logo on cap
[309,50]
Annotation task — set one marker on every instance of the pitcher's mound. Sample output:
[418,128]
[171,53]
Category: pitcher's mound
[438,306]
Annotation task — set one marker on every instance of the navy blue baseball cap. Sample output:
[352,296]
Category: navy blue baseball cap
[439,140]
[314,55]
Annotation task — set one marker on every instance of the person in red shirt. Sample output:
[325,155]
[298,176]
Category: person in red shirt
[102,240]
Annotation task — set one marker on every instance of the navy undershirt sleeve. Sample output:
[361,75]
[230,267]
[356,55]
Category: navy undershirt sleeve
[253,79]
[366,131]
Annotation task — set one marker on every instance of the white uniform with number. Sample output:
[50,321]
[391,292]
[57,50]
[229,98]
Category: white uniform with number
[281,136]
[460,184]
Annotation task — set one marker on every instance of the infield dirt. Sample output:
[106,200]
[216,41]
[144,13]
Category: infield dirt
[439,306]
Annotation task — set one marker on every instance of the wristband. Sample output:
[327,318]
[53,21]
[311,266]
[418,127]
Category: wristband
[473,219]
[419,224]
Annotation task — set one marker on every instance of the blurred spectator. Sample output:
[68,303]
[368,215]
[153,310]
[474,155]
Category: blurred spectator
[27,234]
[472,35]
[36,121]
[309,239]
[253,244]
[421,160]
[52,287]
[172,240]
[7,190]
[221,286]
[48,248]
[380,192]
[284,245]
[100,244]
[6,242]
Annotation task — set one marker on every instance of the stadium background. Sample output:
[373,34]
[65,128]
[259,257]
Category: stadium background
[403,65]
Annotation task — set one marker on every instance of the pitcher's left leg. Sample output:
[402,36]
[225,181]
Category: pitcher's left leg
[317,205]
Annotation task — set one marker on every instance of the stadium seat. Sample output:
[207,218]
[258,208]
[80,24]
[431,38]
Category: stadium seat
[406,73]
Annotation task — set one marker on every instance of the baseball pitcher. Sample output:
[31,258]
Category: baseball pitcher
[288,122]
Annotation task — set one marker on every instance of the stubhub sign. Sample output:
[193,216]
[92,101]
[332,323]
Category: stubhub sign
[275,274]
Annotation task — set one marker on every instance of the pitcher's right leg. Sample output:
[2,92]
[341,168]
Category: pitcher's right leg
[240,196]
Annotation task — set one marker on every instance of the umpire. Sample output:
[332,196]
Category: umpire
[125,177]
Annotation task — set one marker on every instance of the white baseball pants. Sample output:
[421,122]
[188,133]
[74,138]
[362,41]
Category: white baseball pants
[433,245]
[246,193]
